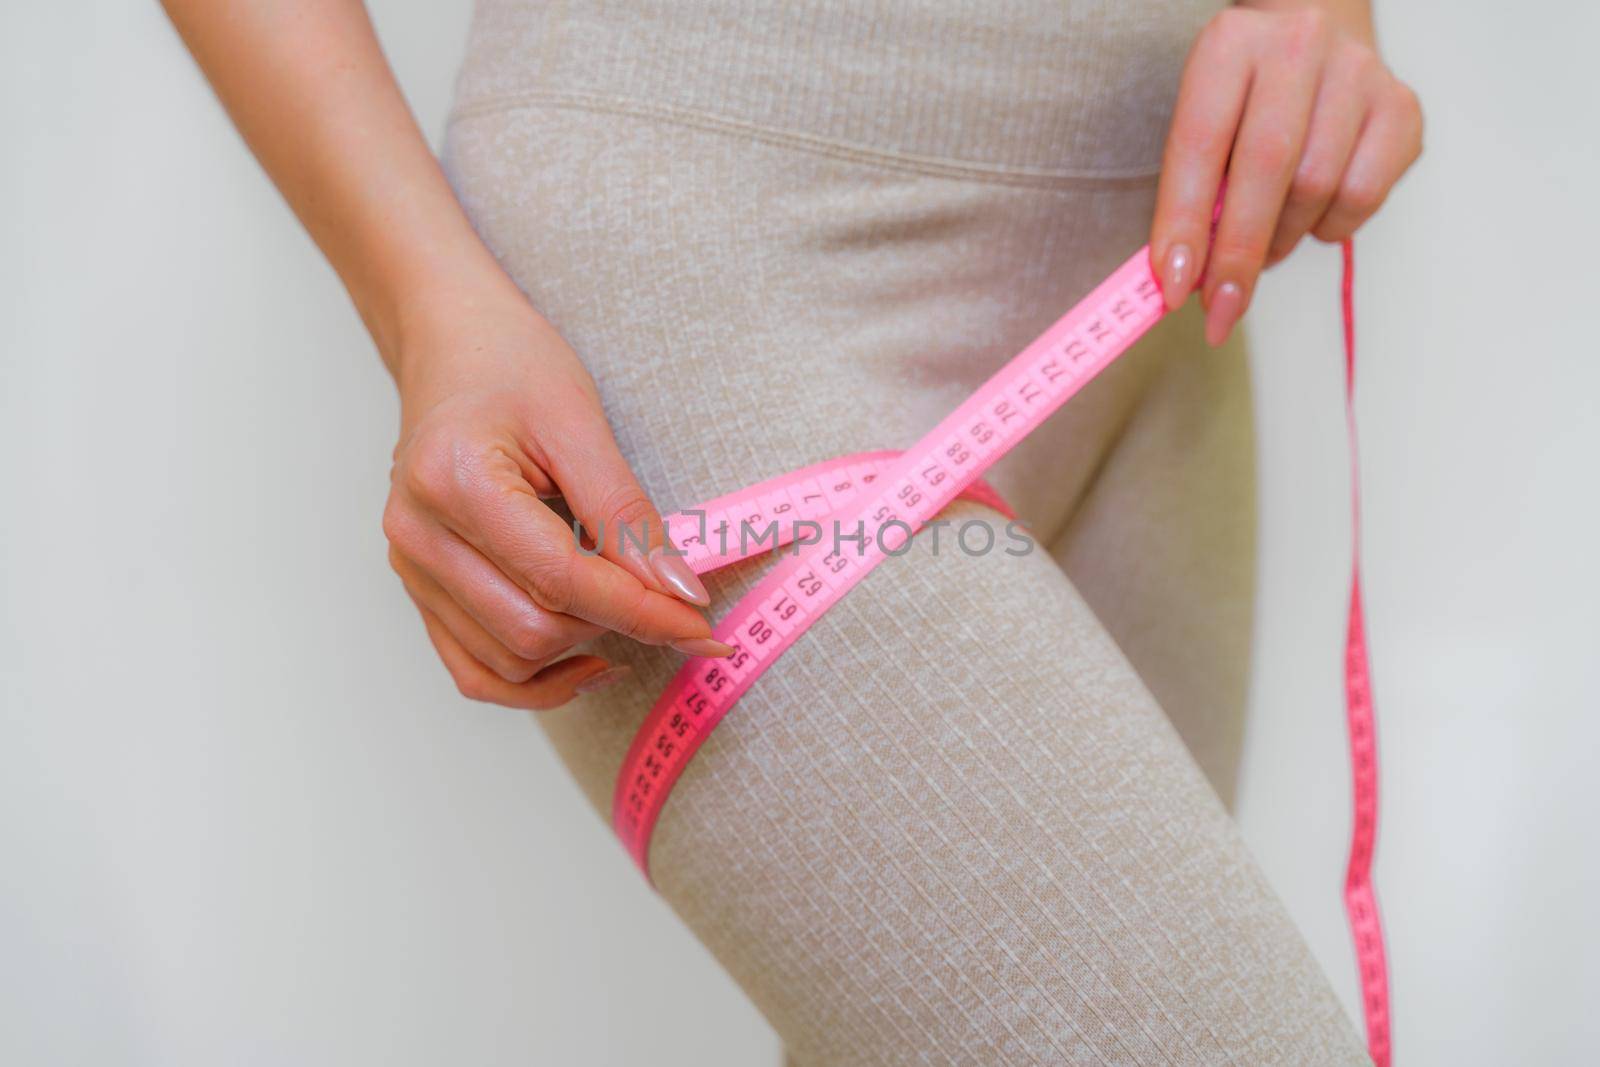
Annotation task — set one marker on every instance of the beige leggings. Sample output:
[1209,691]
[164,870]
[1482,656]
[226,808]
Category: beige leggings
[954,824]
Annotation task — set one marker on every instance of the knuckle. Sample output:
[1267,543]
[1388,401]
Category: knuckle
[436,470]
[1362,196]
[549,578]
[1354,57]
[1313,185]
[1237,252]
[399,529]
[1269,153]
[1306,28]
[1332,230]
[1405,100]
[392,525]
[472,685]
[427,475]
[1230,24]
[626,507]
[530,638]
[1214,35]
[1282,248]
[631,623]
[513,669]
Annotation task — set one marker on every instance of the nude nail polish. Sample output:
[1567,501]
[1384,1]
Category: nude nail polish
[676,574]
[1176,275]
[702,646]
[609,676]
[1227,304]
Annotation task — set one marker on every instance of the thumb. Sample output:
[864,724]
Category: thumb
[600,488]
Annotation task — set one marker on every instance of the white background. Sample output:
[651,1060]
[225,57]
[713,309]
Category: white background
[245,819]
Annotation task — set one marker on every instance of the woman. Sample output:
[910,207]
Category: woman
[955,823]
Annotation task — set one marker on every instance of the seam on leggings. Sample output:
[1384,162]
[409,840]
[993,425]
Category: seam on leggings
[932,166]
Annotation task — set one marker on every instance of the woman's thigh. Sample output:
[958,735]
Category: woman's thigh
[1162,545]
[951,824]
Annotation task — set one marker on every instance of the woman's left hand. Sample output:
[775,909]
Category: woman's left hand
[1291,102]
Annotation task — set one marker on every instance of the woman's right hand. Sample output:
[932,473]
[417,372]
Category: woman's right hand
[496,410]
[497,415]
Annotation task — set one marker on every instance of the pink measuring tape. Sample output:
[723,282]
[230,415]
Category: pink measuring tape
[887,496]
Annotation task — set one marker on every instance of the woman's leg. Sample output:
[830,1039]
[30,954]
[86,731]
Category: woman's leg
[951,825]
[1162,546]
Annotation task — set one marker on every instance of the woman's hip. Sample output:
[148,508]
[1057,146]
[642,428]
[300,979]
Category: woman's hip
[749,307]
[1028,88]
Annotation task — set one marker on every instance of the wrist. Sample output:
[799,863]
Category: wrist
[419,298]
[473,335]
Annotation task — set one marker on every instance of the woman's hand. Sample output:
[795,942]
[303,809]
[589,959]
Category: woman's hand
[1289,100]
[497,413]
[496,410]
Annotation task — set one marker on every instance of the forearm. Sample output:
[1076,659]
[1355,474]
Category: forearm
[306,83]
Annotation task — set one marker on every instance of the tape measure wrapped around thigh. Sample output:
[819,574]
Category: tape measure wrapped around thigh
[884,497]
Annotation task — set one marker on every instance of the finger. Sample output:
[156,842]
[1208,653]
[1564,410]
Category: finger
[483,646]
[492,508]
[1390,142]
[1210,102]
[424,551]
[1271,136]
[550,688]
[608,500]
[1341,107]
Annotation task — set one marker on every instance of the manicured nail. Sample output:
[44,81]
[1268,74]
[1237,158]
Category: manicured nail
[1227,303]
[675,573]
[702,646]
[1176,275]
[609,676]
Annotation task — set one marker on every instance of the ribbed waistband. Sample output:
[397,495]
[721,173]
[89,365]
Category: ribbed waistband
[1067,89]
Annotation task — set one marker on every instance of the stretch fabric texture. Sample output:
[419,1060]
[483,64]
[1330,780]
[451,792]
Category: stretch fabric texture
[978,815]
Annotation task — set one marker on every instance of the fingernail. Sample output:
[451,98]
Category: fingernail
[1176,275]
[675,573]
[1227,303]
[609,676]
[702,646]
